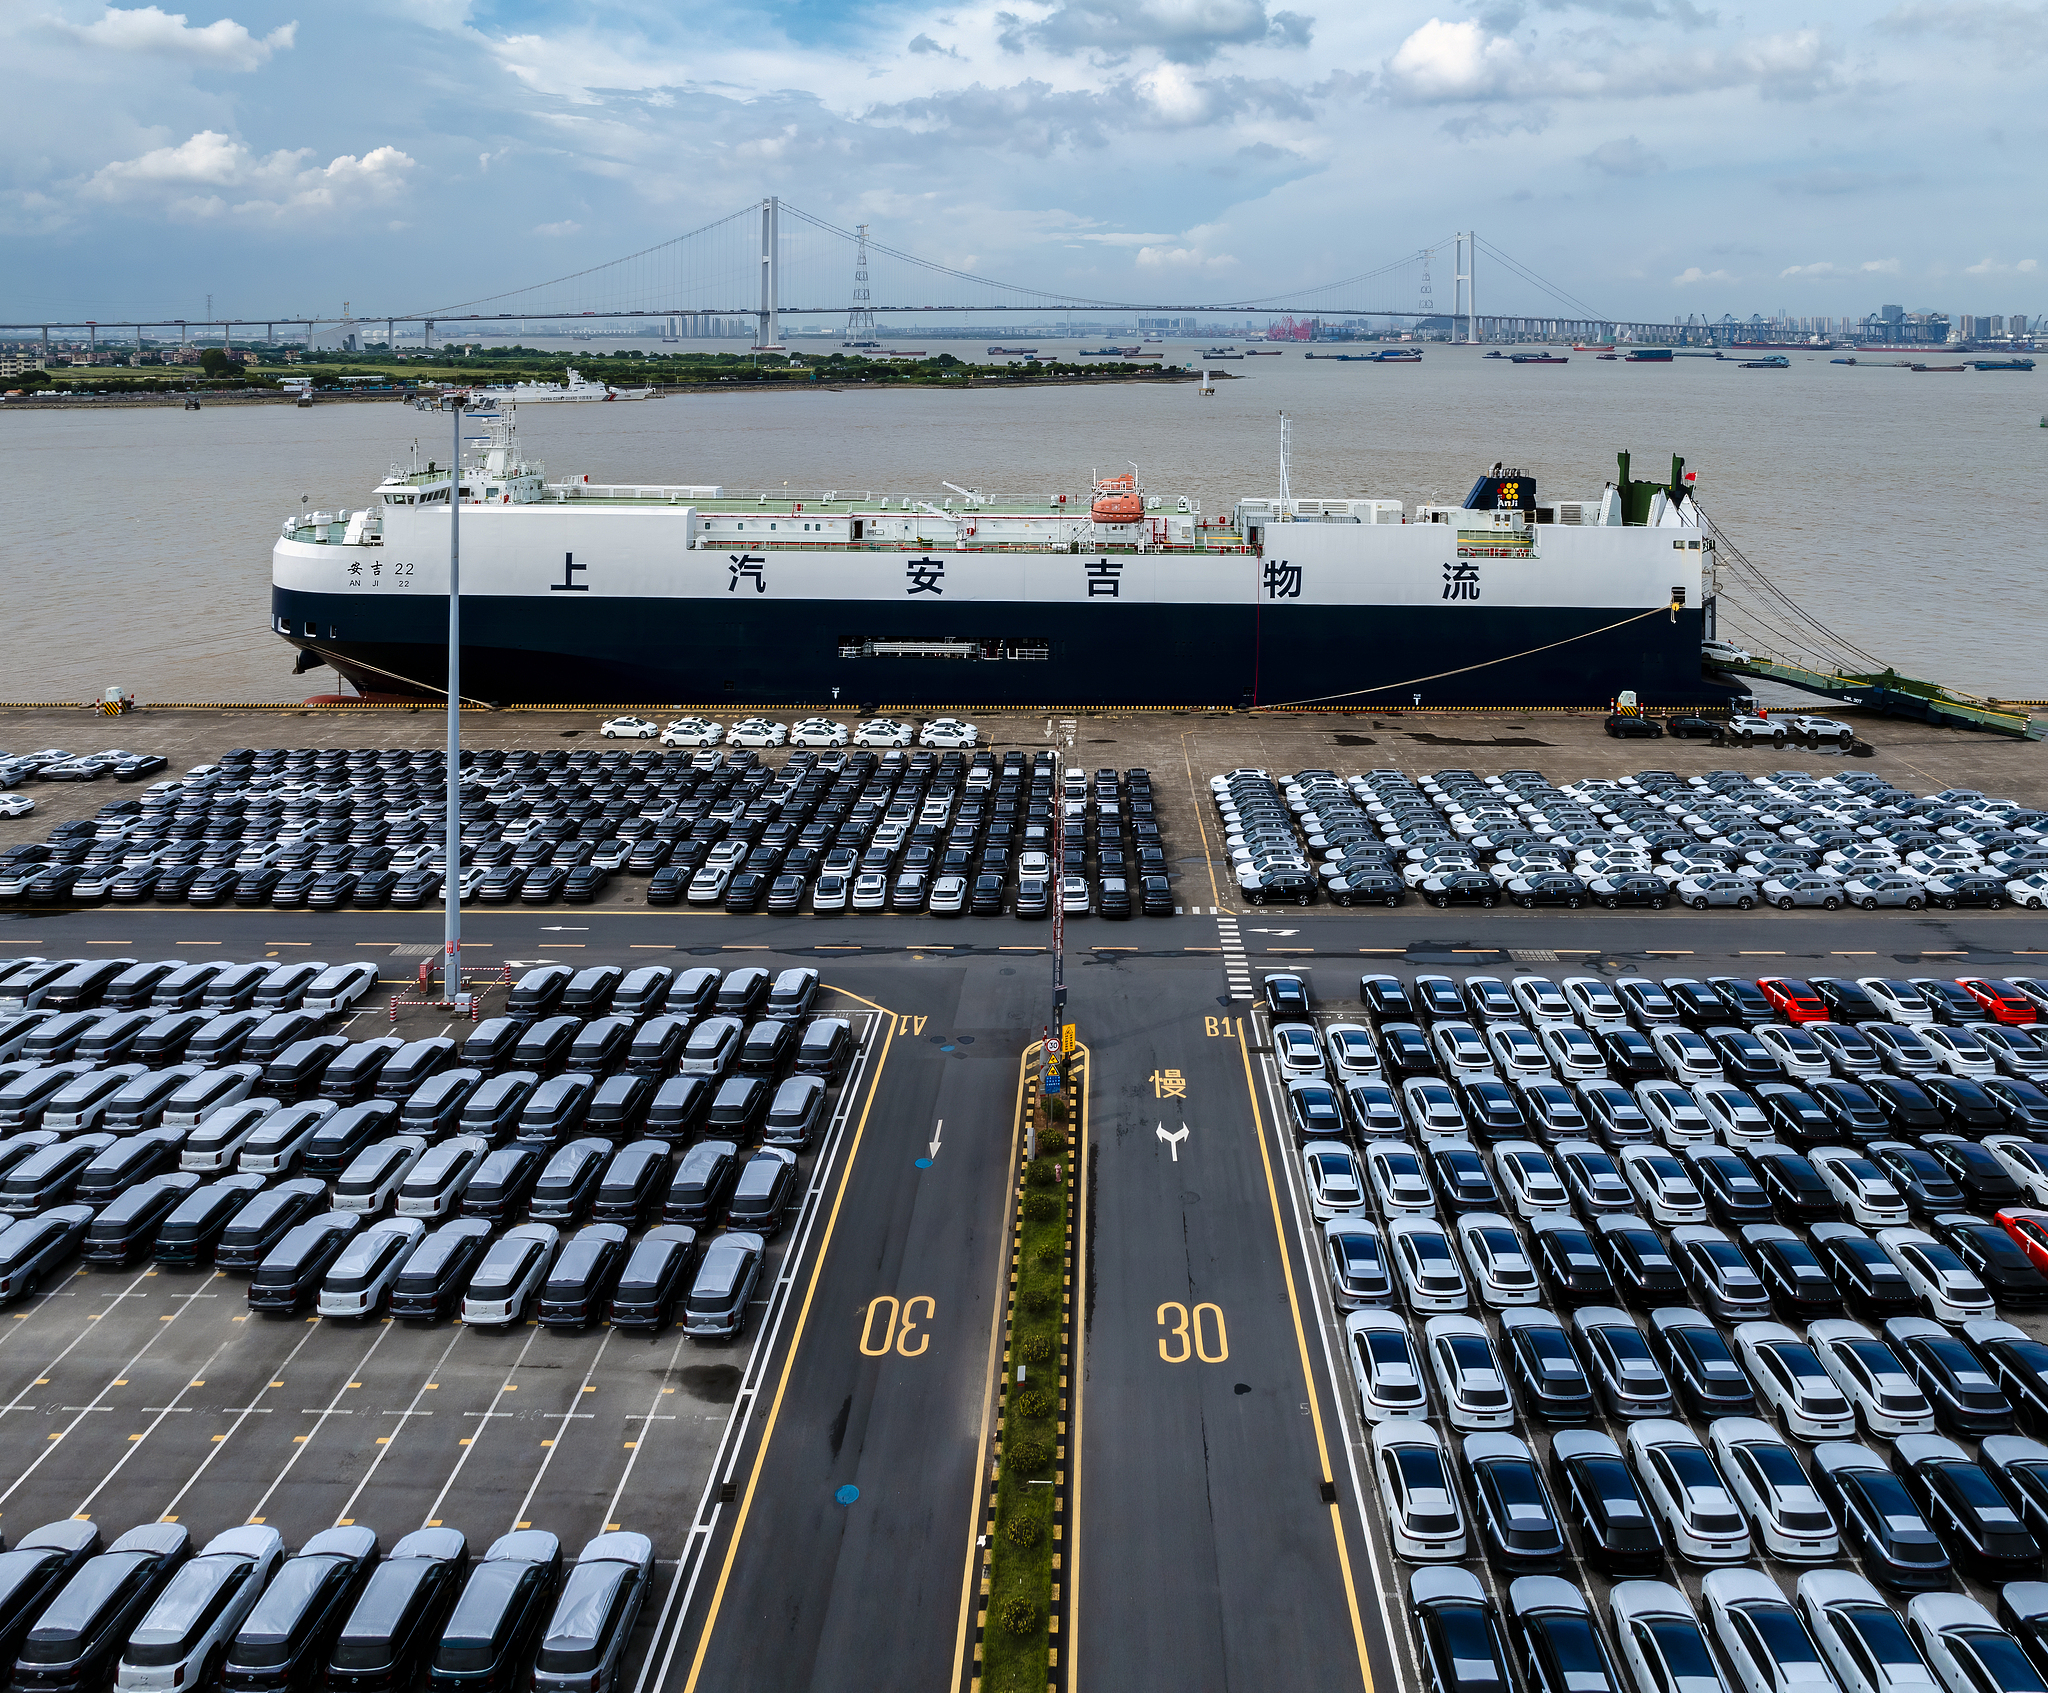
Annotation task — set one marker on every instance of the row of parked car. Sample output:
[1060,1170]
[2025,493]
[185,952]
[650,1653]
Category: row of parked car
[1788,839]
[1796,1344]
[828,832]
[372,1176]
[155,1612]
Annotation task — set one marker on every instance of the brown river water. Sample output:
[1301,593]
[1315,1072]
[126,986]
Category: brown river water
[1907,511]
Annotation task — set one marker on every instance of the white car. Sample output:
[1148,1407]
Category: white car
[1869,1373]
[1762,1636]
[2023,1159]
[1817,730]
[829,893]
[1517,1052]
[1384,1367]
[870,891]
[434,1186]
[1500,1266]
[1461,1049]
[1803,1057]
[949,896]
[1958,1051]
[1331,1171]
[1964,1645]
[338,988]
[817,732]
[1468,1375]
[1785,1514]
[1947,1291]
[1866,1193]
[16,805]
[1687,1492]
[1859,1635]
[1660,1181]
[1686,1057]
[882,732]
[1595,1004]
[1352,1052]
[1660,1639]
[757,732]
[1732,1114]
[2029,892]
[693,732]
[1426,1265]
[197,1614]
[358,1281]
[1674,1113]
[1790,1379]
[1898,1000]
[510,1275]
[1542,1000]
[1298,1050]
[1433,1110]
[948,732]
[1423,1516]
[1530,1180]
[1572,1053]
[630,729]
[372,1179]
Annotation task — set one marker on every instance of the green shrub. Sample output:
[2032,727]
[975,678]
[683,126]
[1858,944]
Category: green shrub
[1040,1207]
[1034,1402]
[1051,1142]
[1018,1615]
[1038,1299]
[1024,1529]
[1048,1257]
[1057,1110]
[1043,1173]
[1036,1349]
[1028,1454]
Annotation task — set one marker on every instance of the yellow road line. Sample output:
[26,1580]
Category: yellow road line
[1307,1374]
[1078,1329]
[739,1526]
[970,1581]
[1194,793]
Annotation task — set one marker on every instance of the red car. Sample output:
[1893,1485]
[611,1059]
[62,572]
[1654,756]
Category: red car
[2004,1001]
[2030,1229]
[1792,999]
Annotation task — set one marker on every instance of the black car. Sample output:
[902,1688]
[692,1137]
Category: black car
[1792,1273]
[668,884]
[1629,1056]
[1282,887]
[1872,1285]
[1642,1271]
[1459,1176]
[1987,891]
[394,1626]
[1995,1259]
[703,1181]
[80,1633]
[35,1571]
[2024,1104]
[1795,1117]
[1852,1110]
[1743,1000]
[490,1637]
[654,1278]
[286,1639]
[761,1196]
[1628,727]
[1965,1108]
[1744,1058]
[1985,1182]
[1696,729]
[291,1272]
[1926,1187]
[1953,1378]
[1796,1191]
[1550,1381]
[434,1278]
[1880,1523]
[1702,1369]
[1460,1638]
[1492,1109]
[1600,1497]
[1405,1050]
[1570,1266]
[1966,1510]
[1635,888]
[1561,1647]
[1463,887]
[1729,1186]
[568,1184]
[1845,1000]
[1516,1521]
[579,1286]
[1386,999]
[1287,995]
[2018,1368]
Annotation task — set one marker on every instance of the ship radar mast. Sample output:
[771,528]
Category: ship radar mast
[1286,461]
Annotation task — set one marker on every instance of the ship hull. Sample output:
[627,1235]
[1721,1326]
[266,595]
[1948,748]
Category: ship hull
[808,652]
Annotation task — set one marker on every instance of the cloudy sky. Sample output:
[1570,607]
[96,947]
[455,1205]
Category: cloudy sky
[1651,158]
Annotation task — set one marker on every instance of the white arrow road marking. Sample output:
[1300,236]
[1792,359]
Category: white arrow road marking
[938,1129]
[1173,1138]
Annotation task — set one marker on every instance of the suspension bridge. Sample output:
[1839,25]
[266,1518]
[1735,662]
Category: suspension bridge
[772,261]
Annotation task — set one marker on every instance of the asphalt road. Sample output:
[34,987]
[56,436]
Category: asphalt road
[1207,1553]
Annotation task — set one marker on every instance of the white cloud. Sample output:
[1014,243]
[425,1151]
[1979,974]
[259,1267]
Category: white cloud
[1186,31]
[1454,61]
[1989,266]
[1825,268]
[1693,273]
[1183,259]
[568,226]
[151,30]
[213,175]
[1625,157]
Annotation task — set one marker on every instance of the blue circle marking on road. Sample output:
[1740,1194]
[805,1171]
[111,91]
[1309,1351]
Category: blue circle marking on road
[847,1494]
[924,1163]
[945,1049]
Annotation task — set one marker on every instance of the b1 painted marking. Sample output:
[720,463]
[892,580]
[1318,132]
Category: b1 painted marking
[1173,1138]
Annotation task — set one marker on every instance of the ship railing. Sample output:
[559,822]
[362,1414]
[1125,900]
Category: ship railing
[823,544]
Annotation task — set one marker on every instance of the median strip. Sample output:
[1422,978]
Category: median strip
[1024,1543]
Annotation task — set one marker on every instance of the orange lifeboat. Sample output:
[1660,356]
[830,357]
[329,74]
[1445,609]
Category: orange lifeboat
[1117,500]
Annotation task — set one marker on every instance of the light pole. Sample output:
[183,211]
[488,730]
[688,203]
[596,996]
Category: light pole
[451,939]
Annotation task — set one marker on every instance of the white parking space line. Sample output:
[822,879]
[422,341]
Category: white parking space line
[198,1377]
[18,1402]
[561,1435]
[347,1511]
[222,1442]
[483,1425]
[303,1443]
[646,1419]
[117,1379]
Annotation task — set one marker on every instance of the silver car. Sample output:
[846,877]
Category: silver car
[1701,891]
[1827,892]
[1886,888]
[585,1644]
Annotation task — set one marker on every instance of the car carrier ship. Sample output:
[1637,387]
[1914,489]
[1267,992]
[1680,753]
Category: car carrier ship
[577,592]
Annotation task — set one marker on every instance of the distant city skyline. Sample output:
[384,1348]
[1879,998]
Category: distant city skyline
[1652,158]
